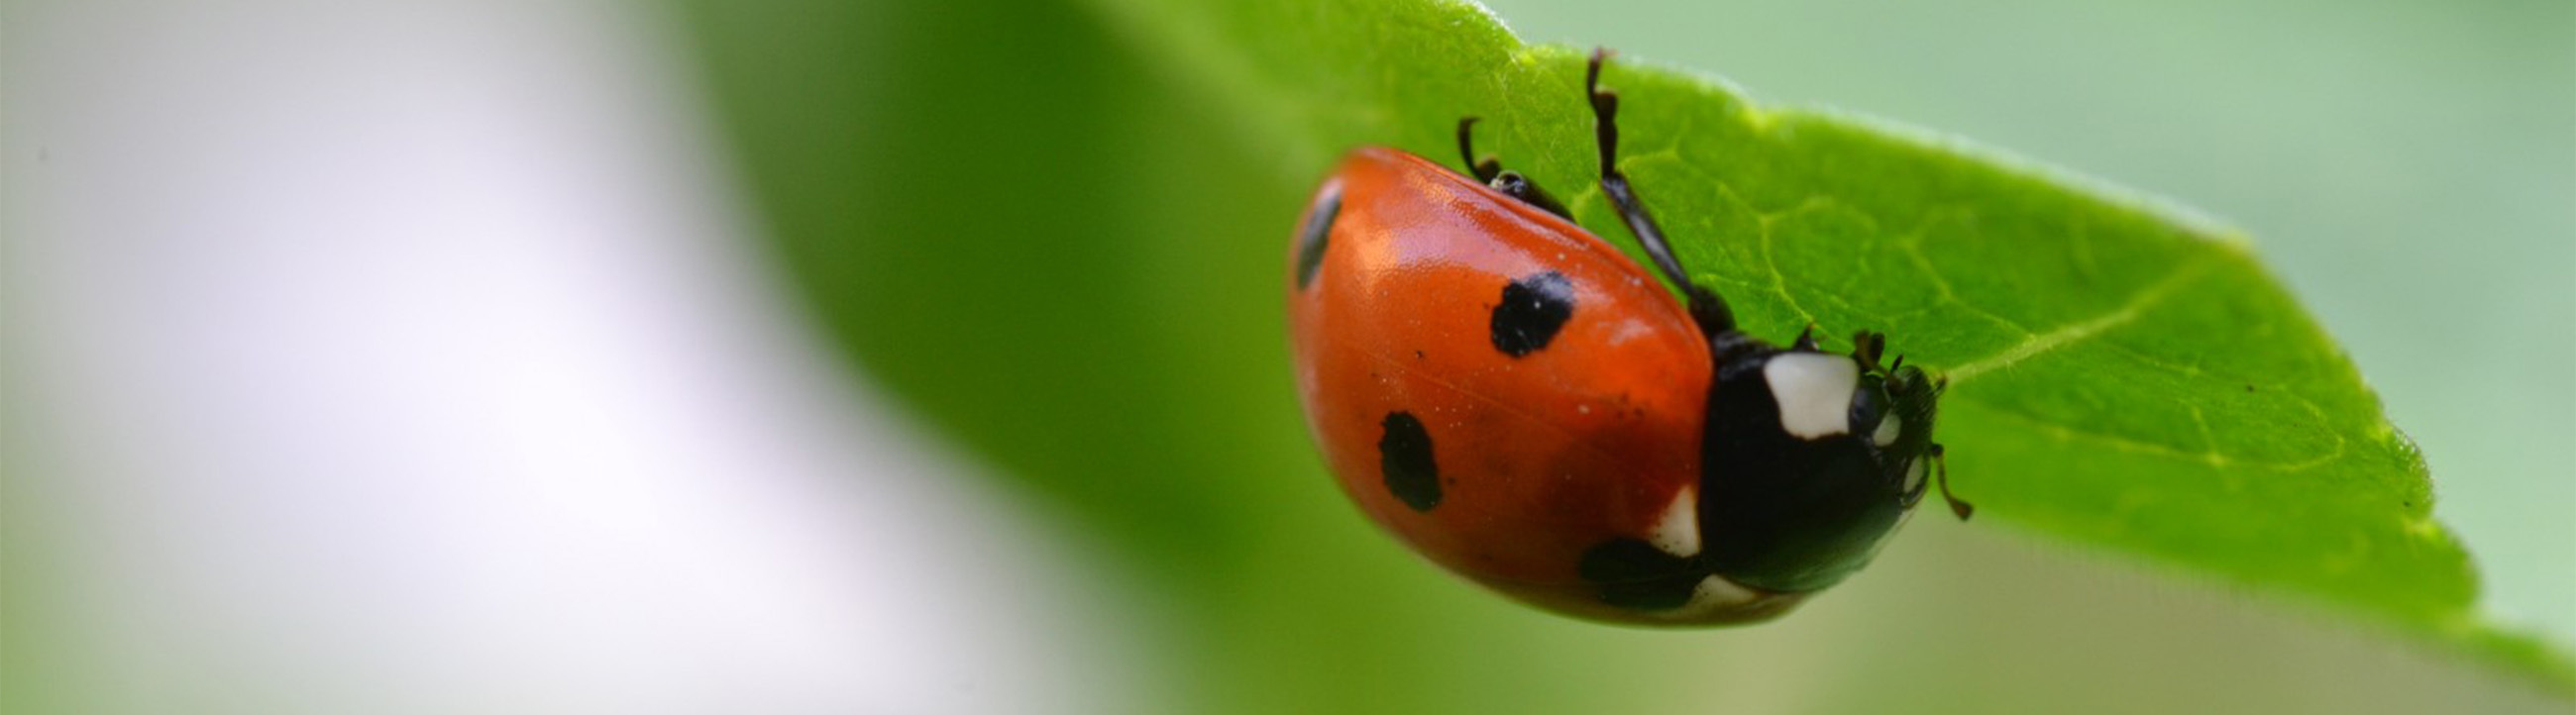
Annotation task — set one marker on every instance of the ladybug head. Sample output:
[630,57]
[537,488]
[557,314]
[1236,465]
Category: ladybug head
[1897,403]
[1811,458]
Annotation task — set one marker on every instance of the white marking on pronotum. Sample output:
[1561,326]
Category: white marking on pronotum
[1814,391]
[1888,430]
[1913,475]
[1677,532]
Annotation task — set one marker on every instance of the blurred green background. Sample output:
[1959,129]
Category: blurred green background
[1061,257]
[463,357]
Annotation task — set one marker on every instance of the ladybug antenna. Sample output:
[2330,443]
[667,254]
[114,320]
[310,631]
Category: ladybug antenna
[1941,467]
[1484,169]
[1806,338]
[1706,308]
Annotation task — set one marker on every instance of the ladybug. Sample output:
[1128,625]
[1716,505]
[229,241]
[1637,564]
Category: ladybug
[1526,406]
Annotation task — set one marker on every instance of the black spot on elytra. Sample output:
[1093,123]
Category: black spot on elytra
[1635,575]
[1317,232]
[1533,309]
[1405,455]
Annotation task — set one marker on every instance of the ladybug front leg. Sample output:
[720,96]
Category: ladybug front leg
[1941,472]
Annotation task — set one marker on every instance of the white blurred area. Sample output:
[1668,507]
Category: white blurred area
[377,358]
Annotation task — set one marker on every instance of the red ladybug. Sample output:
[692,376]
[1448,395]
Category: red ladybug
[1529,408]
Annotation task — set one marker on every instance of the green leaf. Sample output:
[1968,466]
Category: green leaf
[2122,374]
[1063,239]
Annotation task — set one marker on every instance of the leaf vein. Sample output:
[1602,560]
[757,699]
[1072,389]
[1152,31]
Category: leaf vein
[2072,333]
[2061,432]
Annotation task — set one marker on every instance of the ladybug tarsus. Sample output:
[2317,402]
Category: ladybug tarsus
[1483,168]
[1605,109]
[1490,170]
[1941,470]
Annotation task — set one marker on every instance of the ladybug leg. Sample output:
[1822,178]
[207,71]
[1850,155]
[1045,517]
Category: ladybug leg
[1706,307]
[1519,187]
[1484,168]
[1941,467]
[1490,170]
